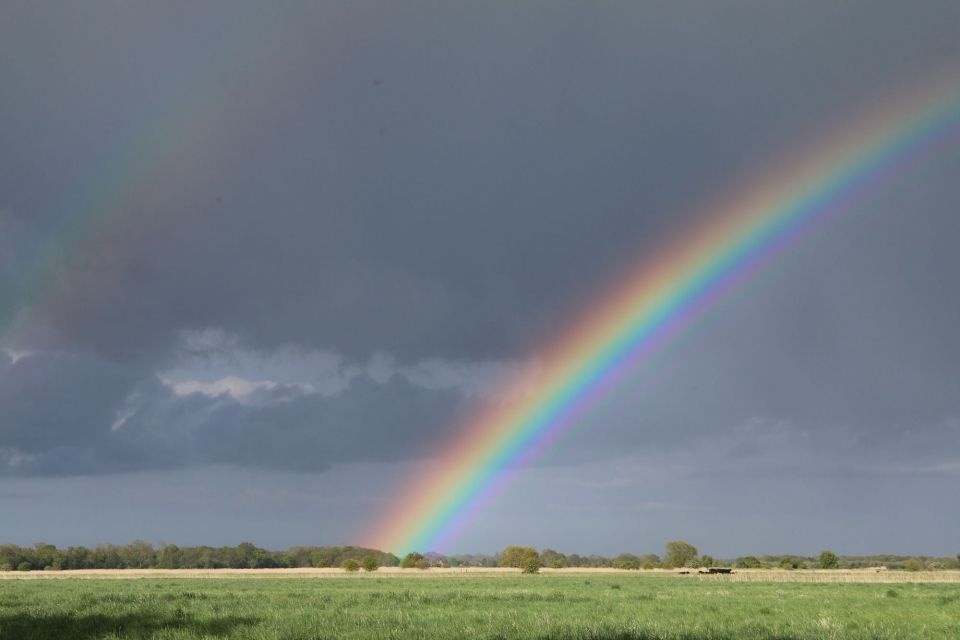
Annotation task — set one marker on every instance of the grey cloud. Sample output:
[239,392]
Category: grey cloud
[368,421]
[120,421]
[59,400]
[526,156]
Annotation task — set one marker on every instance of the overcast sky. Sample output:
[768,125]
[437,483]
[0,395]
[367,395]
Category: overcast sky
[259,261]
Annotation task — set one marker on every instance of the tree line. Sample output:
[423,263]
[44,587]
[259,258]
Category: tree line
[677,554]
[143,555]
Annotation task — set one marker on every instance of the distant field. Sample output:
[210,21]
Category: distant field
[583,605]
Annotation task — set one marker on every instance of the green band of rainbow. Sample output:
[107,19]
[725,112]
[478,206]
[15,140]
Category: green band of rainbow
[654,302]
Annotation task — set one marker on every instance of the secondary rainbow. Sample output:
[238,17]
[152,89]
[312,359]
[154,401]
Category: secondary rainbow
[663,295]
[154,146]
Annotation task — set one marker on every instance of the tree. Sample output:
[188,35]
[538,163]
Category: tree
[514,556]
[679,554]
[626,561]
[350,565]
[138,554]
[650,561]
[47,555]
[553,559]
[749,562]
[412,560]
[913,565]
[369,563]
[829,560]
[169,557]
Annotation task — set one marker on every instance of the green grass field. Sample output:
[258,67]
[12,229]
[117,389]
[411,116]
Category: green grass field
[597,606]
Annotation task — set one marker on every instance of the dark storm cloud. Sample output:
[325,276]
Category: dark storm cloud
[51,401]
[67,415]
[444,182]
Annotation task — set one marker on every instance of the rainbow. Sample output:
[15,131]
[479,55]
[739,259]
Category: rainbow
[193,123]
[653,303]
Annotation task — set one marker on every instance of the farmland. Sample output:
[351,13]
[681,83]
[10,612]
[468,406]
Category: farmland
[486,604]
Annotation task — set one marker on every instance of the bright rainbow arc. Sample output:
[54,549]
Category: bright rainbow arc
[652,304]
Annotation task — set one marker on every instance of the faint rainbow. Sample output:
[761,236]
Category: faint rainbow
[654,302]
[151,149]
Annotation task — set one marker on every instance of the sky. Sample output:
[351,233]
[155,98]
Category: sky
[258,262]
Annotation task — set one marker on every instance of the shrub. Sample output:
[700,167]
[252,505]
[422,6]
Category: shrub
[748,562]
[369,563]
[829,560]
[350,565]
[24,566]
[532,565]
[913,565]
[411,560]
[787,563]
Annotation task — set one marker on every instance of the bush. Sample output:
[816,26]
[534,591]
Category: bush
[24,566]
[532,565]
[369,563]
[749,562]
[411,560]
[787,563]
[829,560]
[350,565]
[913,565]
[626,561]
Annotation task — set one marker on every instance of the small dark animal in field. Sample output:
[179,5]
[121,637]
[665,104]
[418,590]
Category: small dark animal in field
[714,570]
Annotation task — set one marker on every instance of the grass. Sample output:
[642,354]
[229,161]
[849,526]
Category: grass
[586,606]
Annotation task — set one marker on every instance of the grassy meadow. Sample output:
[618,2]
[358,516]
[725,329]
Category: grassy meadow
[599,606]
